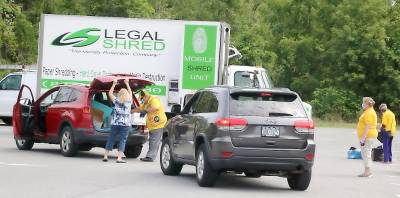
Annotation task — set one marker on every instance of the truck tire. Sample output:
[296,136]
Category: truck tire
[24,144]
[133,151]
[299,182]
[7,121]
[67,144]
[85,147]
[167,163]
[205,174]
[252,174]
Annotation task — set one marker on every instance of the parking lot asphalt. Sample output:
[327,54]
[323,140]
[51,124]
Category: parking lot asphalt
[44,172]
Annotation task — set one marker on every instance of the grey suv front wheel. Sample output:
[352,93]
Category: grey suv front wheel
[205,174]
[167,163]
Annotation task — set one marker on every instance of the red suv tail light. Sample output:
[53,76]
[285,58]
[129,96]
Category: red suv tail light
[304,126]
[86,110]
[235,124]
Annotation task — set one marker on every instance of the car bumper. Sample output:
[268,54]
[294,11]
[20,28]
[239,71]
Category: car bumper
[99,139]
[243,163]
[260,159]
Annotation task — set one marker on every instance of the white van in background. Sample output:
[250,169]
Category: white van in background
[9,89]
[247,76]
[253,76]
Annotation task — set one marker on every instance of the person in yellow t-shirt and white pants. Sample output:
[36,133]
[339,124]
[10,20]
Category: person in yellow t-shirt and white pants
[367,133]
[388,130]
[155,122]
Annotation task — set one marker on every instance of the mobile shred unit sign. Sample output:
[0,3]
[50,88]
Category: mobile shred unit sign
[75,49]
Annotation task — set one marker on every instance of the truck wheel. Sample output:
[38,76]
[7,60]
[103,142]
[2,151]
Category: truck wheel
[167,163]
[67,144]
[205,174]
[85,147]
[300,181]
[252,174]
[24,144]
[133,151]
[7,121]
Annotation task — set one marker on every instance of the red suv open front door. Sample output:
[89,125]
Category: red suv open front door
[23,115]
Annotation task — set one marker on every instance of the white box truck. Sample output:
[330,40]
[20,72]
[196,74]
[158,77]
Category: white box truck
[179,56]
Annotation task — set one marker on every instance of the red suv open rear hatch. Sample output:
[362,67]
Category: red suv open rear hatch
[103,83]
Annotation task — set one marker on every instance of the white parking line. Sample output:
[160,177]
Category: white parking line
[25,165]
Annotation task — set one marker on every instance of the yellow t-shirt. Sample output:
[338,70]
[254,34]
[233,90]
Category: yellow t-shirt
[156,119]
[368,117]
[389,120]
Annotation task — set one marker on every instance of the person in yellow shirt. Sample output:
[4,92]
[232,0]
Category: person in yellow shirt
[367,133]
[388,130]
[155,122]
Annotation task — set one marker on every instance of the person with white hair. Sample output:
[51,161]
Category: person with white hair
[388,129]
[120,120]
[367,133]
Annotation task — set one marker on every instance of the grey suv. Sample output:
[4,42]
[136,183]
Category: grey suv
[241,130]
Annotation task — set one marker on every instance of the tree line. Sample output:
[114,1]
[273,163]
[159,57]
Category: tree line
[332,52]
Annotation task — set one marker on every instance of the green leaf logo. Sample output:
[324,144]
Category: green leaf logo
[79,38]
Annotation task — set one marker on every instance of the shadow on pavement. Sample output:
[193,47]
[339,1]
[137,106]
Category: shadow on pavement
[56,151]
[232,182]
[80,154]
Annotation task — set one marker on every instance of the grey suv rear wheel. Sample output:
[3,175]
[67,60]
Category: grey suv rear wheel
[205,174]
[167,163]
[300,181]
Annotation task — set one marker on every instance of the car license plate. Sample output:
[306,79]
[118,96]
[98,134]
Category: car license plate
[268,131]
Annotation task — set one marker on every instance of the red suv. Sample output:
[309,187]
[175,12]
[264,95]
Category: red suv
[75,116]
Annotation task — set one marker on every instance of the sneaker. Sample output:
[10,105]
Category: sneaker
[146,159]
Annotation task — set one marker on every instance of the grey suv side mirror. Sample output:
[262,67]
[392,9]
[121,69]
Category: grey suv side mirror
[176,108]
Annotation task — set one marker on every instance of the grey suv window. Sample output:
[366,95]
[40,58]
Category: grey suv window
[266,105]
[189,107]
[63,95]
[12,82]
[207,103]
